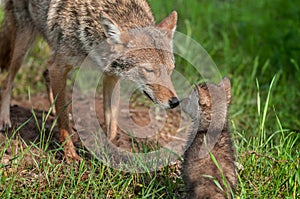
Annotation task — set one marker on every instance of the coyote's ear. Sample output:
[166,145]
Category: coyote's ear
[169,24]
[111,30]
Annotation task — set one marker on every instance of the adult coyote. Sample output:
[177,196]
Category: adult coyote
[73,28]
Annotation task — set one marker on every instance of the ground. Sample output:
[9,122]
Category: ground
[31,117]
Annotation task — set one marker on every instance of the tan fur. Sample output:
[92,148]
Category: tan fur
[49,90]
[198,166]
[161,92]
[73,28]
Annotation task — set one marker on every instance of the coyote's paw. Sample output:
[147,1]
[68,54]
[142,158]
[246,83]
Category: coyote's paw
[4,122]
[112,135]
[70,153]
[112,132]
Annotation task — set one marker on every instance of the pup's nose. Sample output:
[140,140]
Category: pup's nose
[174,102]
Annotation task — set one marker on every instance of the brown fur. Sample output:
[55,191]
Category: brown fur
[198,165]
[74,28]
[7,36]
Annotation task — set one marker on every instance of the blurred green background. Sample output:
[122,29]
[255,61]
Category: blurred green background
[248,40]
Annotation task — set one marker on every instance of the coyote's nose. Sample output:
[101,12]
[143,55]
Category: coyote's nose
[174,102]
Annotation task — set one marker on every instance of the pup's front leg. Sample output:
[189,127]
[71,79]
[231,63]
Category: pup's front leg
[111,93]
[58,76]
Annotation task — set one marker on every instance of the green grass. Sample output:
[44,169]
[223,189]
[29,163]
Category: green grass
[50,178]
[256,44]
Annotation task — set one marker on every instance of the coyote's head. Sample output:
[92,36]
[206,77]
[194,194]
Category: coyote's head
[145,56]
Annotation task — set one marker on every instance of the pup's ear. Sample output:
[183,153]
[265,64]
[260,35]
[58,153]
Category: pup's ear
[169,24]
[204,95]
[227,86]
[111,30]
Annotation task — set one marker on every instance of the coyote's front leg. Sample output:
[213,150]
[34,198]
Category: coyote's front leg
[111,93]
[58,76]
[49,90]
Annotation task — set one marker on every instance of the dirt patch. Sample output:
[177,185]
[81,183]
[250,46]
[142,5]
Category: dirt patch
[151,126]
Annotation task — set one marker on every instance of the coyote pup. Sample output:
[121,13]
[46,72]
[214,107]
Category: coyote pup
[73,28]
[198,170]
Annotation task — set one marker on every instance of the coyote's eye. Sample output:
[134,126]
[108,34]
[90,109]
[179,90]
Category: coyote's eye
[148,70]
[149,74]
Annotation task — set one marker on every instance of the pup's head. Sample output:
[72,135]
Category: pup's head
[210,101]
[145,56]
[214,100]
